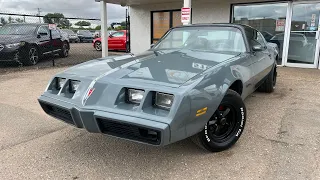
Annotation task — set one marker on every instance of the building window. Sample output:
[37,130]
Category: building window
[162,21]
[268,18]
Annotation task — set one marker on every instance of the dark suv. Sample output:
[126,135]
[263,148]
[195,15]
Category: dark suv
[27,43]
[85,36]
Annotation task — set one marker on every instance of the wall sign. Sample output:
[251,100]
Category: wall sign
[186,15]
[280,24]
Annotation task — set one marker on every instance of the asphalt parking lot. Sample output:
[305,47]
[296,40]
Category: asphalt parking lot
[281,139]
[79,52]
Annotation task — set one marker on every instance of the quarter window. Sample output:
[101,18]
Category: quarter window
[261,40]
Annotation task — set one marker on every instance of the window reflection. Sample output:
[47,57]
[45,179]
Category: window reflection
[269,19]
[304,24]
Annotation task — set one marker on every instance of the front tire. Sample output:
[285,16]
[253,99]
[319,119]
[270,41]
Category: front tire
[31,57]
[225,127]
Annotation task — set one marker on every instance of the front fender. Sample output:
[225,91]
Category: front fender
[208,94]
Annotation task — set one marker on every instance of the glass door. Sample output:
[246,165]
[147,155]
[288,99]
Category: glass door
[304,35]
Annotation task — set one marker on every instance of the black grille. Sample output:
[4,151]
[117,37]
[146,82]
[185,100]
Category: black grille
[58,112]
[129,131]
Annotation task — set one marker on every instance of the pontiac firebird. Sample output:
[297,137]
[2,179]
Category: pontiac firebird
[192,83]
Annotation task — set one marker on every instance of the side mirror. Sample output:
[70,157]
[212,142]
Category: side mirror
[257,48]
[152,45]
[110,36]
[38,36]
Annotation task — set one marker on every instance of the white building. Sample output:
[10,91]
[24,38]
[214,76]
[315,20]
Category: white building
[293,25]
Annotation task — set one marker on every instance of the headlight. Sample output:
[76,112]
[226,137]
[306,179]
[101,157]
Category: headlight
[135,96]
[73,86]
[13,45]
[163,100]
[60,82]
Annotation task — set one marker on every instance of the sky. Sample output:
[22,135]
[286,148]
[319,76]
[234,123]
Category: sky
[70,8]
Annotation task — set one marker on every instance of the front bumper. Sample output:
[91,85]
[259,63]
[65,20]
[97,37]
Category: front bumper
[123,126]
[9,55]
[88,39]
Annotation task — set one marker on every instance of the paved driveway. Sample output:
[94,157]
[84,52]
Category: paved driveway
[281,139]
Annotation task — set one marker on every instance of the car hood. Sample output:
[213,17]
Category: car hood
[166,67]
[9,39]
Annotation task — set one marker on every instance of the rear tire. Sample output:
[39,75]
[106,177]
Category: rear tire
[98,46]
[64,51]
[270,83]
[225,127]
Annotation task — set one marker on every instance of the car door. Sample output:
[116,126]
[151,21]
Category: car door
[115,40]
[262,60]
[44,39]
[56,40]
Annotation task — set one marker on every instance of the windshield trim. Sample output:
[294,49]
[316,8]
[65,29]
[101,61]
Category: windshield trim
[239,27]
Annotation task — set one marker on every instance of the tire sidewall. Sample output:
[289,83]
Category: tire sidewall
[95,45]
[26,56]
[241,115]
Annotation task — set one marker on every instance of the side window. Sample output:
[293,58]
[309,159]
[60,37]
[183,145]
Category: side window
[55,33]
[43,30]
[118,34]
[261,39]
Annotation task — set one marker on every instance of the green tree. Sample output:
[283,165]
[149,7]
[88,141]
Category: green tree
[18,20]
[57,18]
[83,23]
[98,27]
[119,26]
[3,21]
[10,19]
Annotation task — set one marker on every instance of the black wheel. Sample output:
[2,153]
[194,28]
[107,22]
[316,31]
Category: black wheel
[270,83]
[31,57]
[225,127]
[64,51]
[98,46]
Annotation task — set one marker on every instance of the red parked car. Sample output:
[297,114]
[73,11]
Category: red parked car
[116,41]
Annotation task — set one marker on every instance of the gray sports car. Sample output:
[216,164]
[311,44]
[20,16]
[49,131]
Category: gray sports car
[190,84]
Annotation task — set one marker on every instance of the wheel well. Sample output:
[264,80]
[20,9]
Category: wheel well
[237,86]
[65,41]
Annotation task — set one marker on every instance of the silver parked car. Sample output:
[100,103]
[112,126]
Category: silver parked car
[73,37]
[192,83]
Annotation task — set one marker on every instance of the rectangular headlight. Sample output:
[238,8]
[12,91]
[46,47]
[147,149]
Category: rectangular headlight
[60,82]
[73,86]
[135,96]
[163,100]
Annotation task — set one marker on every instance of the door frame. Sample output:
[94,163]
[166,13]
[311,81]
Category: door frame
[288,35]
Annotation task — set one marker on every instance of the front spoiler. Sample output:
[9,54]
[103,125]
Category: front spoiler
[95,121]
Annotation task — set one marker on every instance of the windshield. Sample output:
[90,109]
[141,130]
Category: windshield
[215,39]
[17,29]
[68,31]
[85,32]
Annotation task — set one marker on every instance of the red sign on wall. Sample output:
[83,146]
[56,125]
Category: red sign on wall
[186,15]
